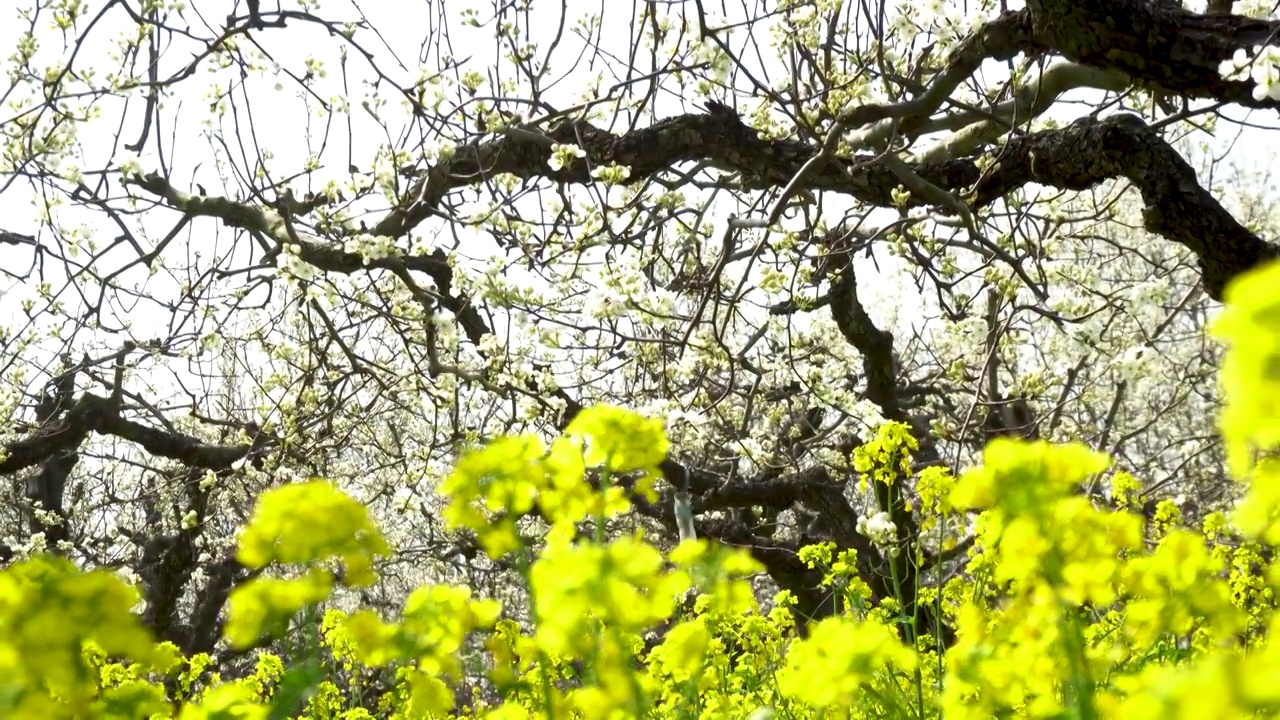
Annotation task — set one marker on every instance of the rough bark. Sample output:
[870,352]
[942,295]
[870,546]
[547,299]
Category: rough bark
[96,414]
[1172,49]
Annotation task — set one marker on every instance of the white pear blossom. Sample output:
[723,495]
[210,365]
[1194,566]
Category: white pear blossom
[879,528]
[129,165]
[47,518]
[562,155]
[1263,68]
[609,174]
[128,576]
[1131,364]
[1266,73]
[290,265]
[868,418]
[35,545]
[1237,67]
[371,247]
[71,171]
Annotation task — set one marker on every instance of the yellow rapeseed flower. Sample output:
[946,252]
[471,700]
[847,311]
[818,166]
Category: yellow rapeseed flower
[49,611]
[620,440]
[265,605]
[306,522]
[1250,372]
[839,659]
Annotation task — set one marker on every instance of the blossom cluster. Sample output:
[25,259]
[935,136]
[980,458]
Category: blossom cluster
[1262,66]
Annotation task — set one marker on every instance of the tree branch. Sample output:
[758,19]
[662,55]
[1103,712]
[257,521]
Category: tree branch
[93,413]
[1172,49]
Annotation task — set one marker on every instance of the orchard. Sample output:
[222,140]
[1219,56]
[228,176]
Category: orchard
[764,359]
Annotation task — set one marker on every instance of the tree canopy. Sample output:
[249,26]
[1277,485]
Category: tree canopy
[248,243]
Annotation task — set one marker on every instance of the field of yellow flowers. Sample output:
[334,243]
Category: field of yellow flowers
[1064,610]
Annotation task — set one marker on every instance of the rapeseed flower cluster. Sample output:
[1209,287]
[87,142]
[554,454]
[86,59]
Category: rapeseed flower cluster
[491,490]
[886,458]
[307,524]
[622,584]
[838,665]
[55,620]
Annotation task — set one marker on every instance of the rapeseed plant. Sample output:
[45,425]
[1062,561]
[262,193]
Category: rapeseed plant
[1063,609]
